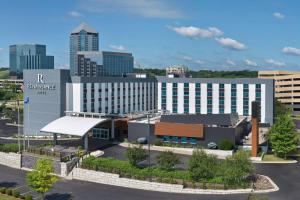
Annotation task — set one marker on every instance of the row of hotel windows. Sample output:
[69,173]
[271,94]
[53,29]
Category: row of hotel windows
[209,97]
[141,101]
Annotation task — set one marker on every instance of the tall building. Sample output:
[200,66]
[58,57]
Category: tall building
[177,71]
[104,63]
[287,87]
[82,38]
[28,56]
[215,96]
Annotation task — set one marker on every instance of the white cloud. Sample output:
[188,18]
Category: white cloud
[231,43]
[230,62]
[145,8]
[195,32]
[250,63]
[291,51]
[191,60]
[200,62]
[74,14]
[275,62]
[117,47]
[278,15]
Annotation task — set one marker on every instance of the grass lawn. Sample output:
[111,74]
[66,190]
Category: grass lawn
[4,74]
[272,157]
[6,197]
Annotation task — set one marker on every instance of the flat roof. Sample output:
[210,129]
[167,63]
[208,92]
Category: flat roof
[72,125]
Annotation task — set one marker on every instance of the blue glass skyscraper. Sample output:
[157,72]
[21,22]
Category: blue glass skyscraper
[82,38]
[28,56]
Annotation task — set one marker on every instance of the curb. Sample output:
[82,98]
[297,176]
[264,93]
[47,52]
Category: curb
[276,162]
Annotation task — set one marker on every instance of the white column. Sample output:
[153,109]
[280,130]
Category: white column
[115,97]
[103,96]
[141,96]
[169,97]
[203,98]
[251,97]
[215,98]
[126,98]
[88,97]
[149,95]
[145,96]
[136,86]
[131,97]
[122,93]
[239,99]
[109,97]
[97,96]
[263,103]
[77,97]
[159,95]
[180,97]
[192,96]
[227,98]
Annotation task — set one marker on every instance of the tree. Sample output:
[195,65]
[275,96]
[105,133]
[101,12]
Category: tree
[284,136]
[41,179]
[135,155]
[202,166]
[167,160]
[237,168]
[281,109]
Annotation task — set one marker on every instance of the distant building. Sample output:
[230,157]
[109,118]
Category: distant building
[82,38]
[287,87]
[177,71]
[87,60]
[28,56]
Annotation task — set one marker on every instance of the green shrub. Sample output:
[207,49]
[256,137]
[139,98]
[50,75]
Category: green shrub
[28,197]
[202,166]
[2,190]
[9,148]
[135,155]
[16,193]
[8,191]
[226,144]
[158,142]
[167,160]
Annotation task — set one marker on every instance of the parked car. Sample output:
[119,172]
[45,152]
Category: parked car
[212,145]
[142,140]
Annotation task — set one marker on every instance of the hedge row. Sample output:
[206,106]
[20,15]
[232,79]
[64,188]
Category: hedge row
[9,148]
[15,193]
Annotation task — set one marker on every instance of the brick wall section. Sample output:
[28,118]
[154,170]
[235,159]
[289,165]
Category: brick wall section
[114,179]
[10,159]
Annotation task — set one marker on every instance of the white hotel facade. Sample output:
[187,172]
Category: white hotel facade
[215,95]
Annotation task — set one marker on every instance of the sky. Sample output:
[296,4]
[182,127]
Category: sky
[201,34]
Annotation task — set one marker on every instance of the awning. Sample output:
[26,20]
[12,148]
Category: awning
[68,125]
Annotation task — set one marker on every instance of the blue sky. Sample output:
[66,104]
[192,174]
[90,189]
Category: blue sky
[202,34]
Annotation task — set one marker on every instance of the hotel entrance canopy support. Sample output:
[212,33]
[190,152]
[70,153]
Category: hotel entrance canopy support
[72,125]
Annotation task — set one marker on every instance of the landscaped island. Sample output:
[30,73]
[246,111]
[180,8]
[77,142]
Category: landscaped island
[204,171]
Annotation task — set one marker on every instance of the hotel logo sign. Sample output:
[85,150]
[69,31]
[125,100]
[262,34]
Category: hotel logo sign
[41,87]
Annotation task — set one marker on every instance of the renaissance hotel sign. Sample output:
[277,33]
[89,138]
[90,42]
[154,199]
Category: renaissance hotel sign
[40,86]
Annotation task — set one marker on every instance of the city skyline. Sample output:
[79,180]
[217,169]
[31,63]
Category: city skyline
[256,35]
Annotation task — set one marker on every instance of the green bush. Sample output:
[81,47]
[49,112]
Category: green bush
[28,197]
[158,142]
[16,193]
[167,160]
[8,191]
[2,190]
[135,155]
[9,148]
[225,145]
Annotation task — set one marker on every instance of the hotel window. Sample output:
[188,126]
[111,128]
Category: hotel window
[174,98]
[221,98]
[258,97]
[198,98]
[186,92]
[163,96]
[209,97]
[245,99]
[233,98]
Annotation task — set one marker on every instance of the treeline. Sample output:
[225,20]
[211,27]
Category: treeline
[204,73]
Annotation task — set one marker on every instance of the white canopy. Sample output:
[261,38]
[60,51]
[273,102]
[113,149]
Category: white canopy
[68,125]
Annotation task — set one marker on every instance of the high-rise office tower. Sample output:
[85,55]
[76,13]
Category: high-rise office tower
[82,38]
[28,56]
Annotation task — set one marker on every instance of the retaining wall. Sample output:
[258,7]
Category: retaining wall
[10,159]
